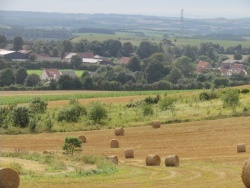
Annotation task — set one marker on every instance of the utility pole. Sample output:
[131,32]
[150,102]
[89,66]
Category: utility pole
[182,20]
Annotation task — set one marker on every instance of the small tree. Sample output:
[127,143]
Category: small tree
[71,144]
[21,116]
[231,98]
[76,61]
[168,103]
[38,105]
[97,112]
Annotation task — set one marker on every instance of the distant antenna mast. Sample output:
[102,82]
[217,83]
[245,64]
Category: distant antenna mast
[182,20]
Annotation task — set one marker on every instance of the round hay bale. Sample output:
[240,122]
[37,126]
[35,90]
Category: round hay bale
[172,160]
[119,132]
[153,160]
[114,143]
[241,148]
[113,158]
[156,124]
[129,153]
[9,178]
[83,138]
[245,175]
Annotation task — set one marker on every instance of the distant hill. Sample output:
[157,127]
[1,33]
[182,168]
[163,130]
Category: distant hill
[116,22]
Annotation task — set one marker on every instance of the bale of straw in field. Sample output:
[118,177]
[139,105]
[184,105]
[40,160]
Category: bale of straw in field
[9,178]
[156,124]
[119,131]
[113,158]
[245,175]
[129,153]
[83,138]
[153,160]
[47,152]
[172,160]
[241,148]
[114,143]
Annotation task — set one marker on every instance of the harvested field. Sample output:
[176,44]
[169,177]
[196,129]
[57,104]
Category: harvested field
[206,150]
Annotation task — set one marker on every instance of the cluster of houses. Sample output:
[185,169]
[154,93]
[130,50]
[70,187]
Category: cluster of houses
[227,67]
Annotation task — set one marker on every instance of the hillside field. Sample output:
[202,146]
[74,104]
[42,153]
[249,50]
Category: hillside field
[207,152]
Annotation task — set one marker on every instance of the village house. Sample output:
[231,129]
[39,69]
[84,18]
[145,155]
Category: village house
[228,69]
[203,66]
[124,60]
[49,74]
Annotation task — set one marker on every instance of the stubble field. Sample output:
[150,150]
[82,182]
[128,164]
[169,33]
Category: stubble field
[207,152]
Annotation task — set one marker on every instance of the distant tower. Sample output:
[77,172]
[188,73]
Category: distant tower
[182,20]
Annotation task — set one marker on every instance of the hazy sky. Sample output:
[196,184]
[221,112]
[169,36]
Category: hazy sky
[172,8]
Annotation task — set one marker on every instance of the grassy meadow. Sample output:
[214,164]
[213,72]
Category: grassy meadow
[39,72]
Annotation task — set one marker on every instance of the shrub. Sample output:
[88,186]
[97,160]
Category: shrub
[245,91]
[206,96]
[151,100]
[38,105]
[21,116]
[230,98]
[97,112]
[147,110]
[71,145]
[71,113]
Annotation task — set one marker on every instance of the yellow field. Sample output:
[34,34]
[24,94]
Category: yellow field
[207,152]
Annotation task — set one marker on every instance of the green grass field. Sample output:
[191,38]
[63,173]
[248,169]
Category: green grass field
[39,72]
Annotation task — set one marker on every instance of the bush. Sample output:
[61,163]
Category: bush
[97,112]
[71,113]
[230,98]
[38,105]
[147,110]
[206,96]
[245,91]
[71,144]
[151,100]
[21,116]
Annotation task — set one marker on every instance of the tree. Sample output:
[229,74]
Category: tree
[7,77]
[127,49]
[71,113]
[76,61]
[221,82]
[18,43]
[231,98]
[97,112]
[32,57]
[3,41]
[65,82]
[32,80]
[155,72]
[186,65]
[38,105]
[237,56]
[146,49]
[21,75]
[168,103]
[21,116]
[175,75]
[88,83]
[112,47]
[134,64]
[67,46]
[71,145]
[55,52]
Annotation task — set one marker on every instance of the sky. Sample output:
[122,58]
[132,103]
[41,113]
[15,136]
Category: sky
[170,8]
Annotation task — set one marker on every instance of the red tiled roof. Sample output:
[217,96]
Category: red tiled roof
[87,55]
[52,73]
[203,64]
[124,60]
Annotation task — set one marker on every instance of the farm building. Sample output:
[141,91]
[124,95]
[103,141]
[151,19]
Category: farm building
[124,60]
[84,55]
[14,55]
[202,66]
[227,69]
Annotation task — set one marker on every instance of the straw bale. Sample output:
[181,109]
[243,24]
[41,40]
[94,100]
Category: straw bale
[9,178]
[114,143]
[113,158]
[241,148]
[129,153]
[119,131]
[156,124]
[83,138]
[153,160]
[172,160]
[245,175]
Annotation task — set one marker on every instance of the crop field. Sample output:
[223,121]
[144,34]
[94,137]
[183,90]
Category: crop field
[155,36]
[39,72]
[207,152]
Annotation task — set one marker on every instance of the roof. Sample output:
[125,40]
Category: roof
[203,64]
[25,51]
[124,60]
[4,52]
[81,54]
[232,61]
[52,73]
[69,72]
[90,60]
